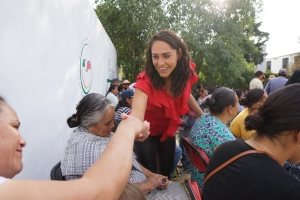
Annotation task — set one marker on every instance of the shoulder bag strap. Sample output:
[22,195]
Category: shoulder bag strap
[231,160]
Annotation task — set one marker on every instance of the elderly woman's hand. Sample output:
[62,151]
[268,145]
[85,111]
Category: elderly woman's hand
[142,130]
[164,184]
[158,181]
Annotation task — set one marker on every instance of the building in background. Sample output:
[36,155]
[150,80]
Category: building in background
[262,66]
[288,62]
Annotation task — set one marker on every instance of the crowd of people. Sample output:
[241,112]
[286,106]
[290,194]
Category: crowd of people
[124,143]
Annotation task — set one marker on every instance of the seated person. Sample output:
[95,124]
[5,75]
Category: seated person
[261,175]
[92,185]
[94,120]
[188,121]
[112,94]
[210,129]
[254,100]
[124,105]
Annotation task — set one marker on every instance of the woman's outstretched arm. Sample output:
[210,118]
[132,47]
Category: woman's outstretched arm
[105,179]
[139,104]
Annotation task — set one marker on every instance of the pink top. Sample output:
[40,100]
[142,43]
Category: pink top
[162,110]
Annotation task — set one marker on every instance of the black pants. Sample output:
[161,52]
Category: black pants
[152,150]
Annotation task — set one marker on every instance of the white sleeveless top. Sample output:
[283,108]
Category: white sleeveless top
[2,180]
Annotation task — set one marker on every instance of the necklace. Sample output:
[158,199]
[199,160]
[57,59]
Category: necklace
[263,147]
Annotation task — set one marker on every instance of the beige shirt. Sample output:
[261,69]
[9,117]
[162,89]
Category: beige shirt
[256,83]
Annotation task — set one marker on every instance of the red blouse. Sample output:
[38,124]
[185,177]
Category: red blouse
[162,110]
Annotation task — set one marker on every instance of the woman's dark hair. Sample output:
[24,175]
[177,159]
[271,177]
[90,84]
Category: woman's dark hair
[122,103]
[220,99]
[182,71]
[253,96]
[120,88]
[238,93]
[111,88]
[279,113]
[295,78]
[90,110]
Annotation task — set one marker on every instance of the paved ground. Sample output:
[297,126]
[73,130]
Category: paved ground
[181,178]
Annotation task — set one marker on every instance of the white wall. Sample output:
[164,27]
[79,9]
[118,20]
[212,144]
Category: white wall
[41,55]
[276,62]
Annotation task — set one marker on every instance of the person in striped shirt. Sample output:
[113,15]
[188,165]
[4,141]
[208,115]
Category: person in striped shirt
[124,105]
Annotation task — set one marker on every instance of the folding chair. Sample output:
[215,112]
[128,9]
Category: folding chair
[194,190]
[200,160]
[56,173]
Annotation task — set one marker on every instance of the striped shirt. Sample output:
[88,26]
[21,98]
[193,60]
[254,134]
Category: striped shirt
[121,110]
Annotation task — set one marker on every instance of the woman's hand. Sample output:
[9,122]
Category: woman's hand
[158,181]
[165,183]
[142,136]
[154,180]
[142,131]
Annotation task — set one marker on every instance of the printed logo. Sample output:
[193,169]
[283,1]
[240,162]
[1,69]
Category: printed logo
[86,71]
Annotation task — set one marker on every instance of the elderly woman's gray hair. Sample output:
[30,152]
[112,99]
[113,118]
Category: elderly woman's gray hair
[90,110]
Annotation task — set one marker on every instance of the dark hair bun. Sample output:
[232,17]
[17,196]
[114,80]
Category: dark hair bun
[254,122]
[244,102]
[209,102]
[73,121]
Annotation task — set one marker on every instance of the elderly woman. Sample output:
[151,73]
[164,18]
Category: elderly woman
[254,100]
[92,185]
[210,130]
[260,174]
[94,120]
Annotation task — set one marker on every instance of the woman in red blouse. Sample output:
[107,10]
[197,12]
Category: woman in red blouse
[162,94]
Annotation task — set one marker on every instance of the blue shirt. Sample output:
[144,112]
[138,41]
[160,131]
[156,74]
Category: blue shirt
[275,84]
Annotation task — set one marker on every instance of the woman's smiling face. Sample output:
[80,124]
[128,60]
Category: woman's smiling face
[11,142]
[164,58]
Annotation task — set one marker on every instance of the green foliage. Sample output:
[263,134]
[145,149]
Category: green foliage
[130,24]
[220,34]
[255,55]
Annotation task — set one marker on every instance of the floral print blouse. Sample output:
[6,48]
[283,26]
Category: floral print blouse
[207,133]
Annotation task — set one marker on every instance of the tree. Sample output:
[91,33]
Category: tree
[130,24]
[218,34]
[295,65]
[261,38]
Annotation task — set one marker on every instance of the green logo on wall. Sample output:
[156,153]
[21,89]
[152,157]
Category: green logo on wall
[86,71]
